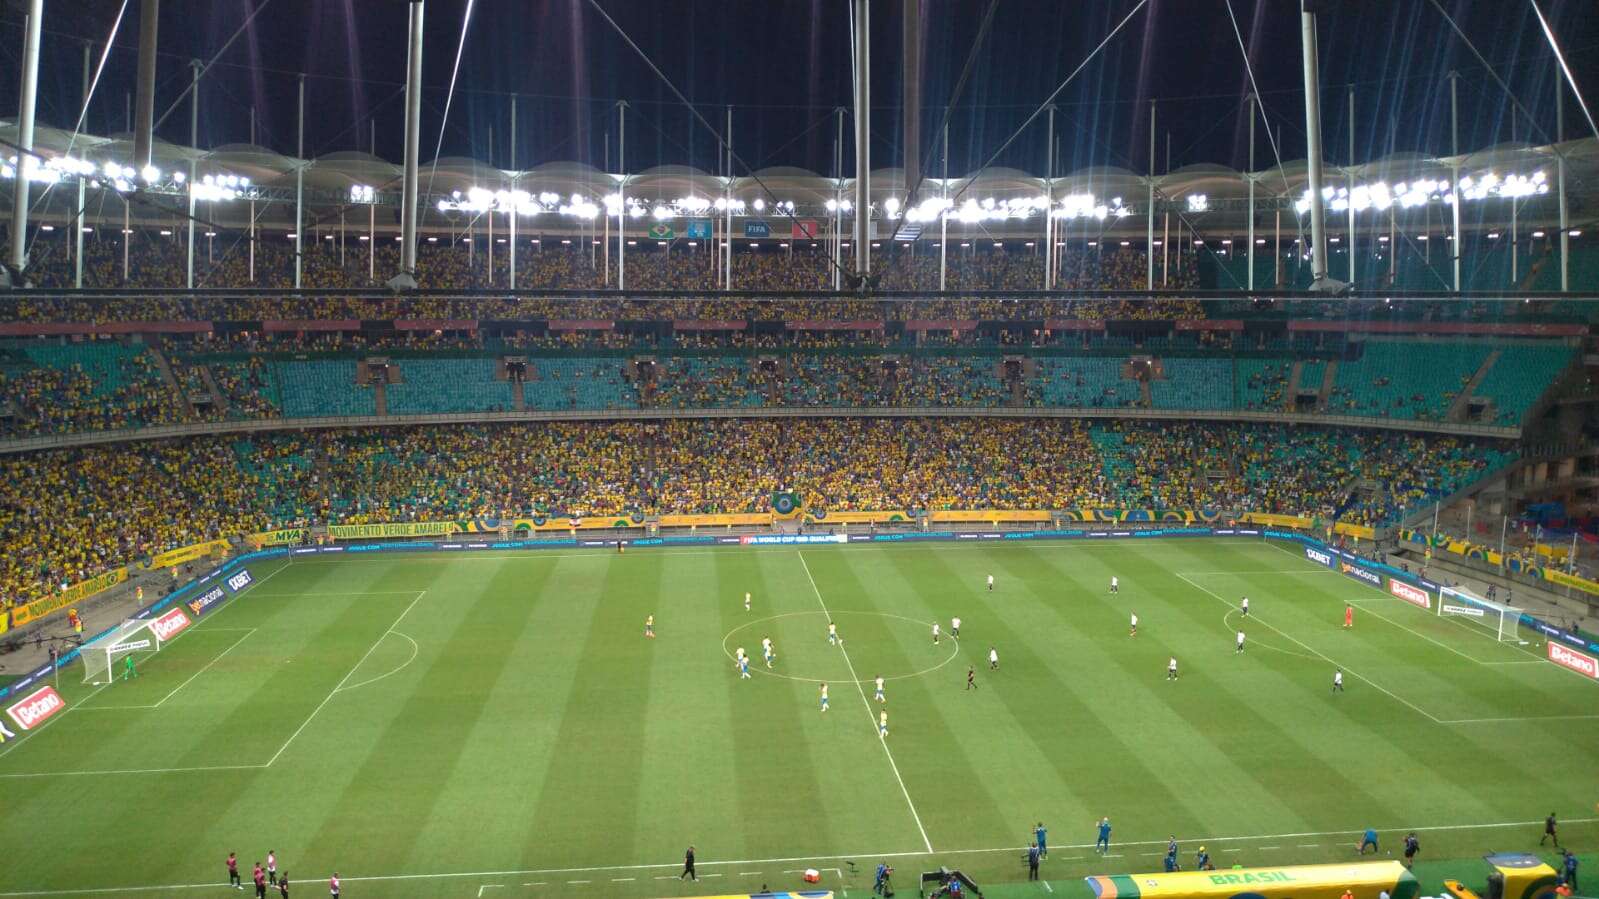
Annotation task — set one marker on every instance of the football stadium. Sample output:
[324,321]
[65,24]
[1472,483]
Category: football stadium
[814,448]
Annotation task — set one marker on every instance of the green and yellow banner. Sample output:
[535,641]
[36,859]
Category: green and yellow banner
[280,537]
[175,557]
[76,593]
[742,519]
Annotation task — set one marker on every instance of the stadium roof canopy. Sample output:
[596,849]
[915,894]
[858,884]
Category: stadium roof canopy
[1198,188]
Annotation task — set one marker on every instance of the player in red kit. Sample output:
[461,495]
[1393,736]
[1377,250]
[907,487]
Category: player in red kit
[233,871]
[1349,616]
[333,885]
[260,881]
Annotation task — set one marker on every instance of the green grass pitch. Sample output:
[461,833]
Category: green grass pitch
[497,725]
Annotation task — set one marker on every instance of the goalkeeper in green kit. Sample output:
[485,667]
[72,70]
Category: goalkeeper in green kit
[127,667]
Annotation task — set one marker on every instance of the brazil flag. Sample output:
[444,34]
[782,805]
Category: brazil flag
[787,503]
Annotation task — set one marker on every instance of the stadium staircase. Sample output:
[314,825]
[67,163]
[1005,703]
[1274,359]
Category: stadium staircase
[168,378]
[1462,402]
[218,402]
[1293,385]
[1328,379]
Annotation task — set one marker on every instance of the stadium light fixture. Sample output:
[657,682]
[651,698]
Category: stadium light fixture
[891,205]
[760,205]
[1574,232]
[1198,203]
[1537,234]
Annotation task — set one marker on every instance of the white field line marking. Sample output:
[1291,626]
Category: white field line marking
[156,705]
[596,551]
[1439,643]
[403,665]
[335,691]
[1226,624]
[871,719]
[1460,624]
[212,884]
[1047,886]
[1396,697]
[339,593]
[92,693]
[1533,718]
[1256,571]
[206,668]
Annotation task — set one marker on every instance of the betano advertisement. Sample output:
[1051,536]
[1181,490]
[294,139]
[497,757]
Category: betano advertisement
[37,708]
[1570,658]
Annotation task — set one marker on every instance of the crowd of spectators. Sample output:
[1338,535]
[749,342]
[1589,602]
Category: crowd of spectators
[70,514]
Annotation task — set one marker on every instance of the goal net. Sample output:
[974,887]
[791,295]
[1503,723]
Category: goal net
[131,637]
[1495,619]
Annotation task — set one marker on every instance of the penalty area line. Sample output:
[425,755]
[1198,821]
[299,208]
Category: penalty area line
[659,866]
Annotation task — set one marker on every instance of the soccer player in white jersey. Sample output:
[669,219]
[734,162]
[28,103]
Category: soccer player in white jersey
[879,696]
[1239,646]
[935,632]
[1338,682]
[766,651]
[1244,606]
[1171,669]
[746,602]
[1114,584]
[832,634]
[955,627]
[991,583]
[1132,628]
[993,659]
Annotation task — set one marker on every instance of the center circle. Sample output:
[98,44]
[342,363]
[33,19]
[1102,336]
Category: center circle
[839,617]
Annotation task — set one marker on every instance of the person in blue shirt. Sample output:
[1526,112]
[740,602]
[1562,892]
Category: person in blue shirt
[1571,870]
[880,883]
[1171,854]
[1103,843]
[1042,836]
[1202,861]
[1368,839]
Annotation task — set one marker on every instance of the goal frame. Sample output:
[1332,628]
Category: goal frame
[1502,620]
[123,640]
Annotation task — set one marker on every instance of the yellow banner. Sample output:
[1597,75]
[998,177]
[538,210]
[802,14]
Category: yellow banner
[821,516]
[989,515]
[1365,880]
[174,557]
[1278,521]
[1571,580]
[1358,531]
[41,607]
[744,519]
[281,537]
[393,529]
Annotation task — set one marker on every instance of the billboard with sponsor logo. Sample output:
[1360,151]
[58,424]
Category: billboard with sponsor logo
[170,625]
[1576,661]
[36,708]
[1361,574]
[1316,555]
[1410,594]
[239,580]
[205,601]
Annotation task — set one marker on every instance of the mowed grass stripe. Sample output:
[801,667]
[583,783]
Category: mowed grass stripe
[1173,746]
[595,776]
[1055,709]
[1250,705]
[774,779]
[932,743]
[858,796]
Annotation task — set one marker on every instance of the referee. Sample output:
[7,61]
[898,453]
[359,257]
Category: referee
[688,866]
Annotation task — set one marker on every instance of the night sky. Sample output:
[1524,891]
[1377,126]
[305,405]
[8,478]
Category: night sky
[784,66]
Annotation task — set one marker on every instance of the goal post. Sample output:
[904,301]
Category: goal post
[131,637]
[1495,619]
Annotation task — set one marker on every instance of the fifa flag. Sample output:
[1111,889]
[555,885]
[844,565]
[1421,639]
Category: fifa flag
[803,229]
[699,229]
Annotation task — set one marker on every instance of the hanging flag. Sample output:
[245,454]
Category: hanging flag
[662,232]
[804,229]
[757,229]
[699,229]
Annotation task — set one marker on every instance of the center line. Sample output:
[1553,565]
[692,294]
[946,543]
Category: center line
[867,703]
